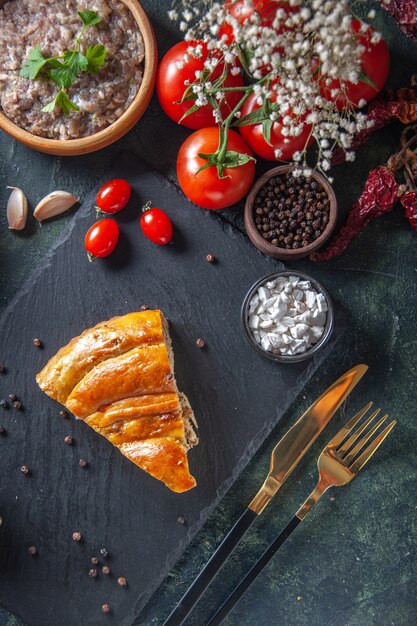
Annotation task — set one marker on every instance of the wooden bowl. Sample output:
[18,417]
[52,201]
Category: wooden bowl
[72,147]
[283,253]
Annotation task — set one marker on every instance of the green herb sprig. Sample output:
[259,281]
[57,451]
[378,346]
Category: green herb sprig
[64,71]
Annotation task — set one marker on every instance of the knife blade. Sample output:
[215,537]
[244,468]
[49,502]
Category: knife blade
[284,458]
[301,436]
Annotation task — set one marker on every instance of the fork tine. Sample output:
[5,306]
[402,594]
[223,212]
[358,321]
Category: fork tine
[343,432]
[369,451]
[351,454]
[346,445]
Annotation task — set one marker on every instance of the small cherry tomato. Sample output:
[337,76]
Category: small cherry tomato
[113,196]
[101,239]
[156,225]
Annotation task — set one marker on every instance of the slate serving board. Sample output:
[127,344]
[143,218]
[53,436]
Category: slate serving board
[237,395]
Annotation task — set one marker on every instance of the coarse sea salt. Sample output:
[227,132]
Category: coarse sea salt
[287,315]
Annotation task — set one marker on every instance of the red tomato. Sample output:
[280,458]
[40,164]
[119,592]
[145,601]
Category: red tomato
[375,67]
[113,196]
[101,238]
[170,86]
[241,11]
[255,138]
[156,225]
[206,188]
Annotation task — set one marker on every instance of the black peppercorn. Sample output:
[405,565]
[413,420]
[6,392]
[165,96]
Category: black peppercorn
[82,463]
[69,440]
[17,405]
[2,369]
[92,572]
[210,258]
[33,551]
[105,607]
[105,569]
[12,397]
[4,404]
[94,560]
[144,307]
[37,343]
[291,206]
[63,413]
[200,343]
[181,520]
[25,470]
[2,430]
[122,581]
[77,536]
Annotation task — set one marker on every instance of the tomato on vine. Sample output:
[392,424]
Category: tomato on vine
[264,136]
[241,11]
[101,239]
[375,63]
[113,196]
[156,225]
[175,77]
[265,12]
[215,170]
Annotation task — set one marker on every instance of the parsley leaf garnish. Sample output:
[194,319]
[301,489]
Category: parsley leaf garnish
[62,101]
[34,64]
[63,76]
[96,57]
[89,18]
[64,70]
[76,61]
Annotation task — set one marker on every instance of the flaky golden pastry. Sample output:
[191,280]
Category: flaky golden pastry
[118,377]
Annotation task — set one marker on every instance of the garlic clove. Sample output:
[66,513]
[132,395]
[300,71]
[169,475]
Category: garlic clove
[17,209]
[54,203]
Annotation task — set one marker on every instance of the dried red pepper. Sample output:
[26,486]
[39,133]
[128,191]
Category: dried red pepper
[378,198]
[405,13]
[409,202]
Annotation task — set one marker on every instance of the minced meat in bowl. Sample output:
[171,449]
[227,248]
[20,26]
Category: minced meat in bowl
[52,25]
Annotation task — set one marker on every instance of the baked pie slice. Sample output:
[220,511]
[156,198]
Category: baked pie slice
[119,378]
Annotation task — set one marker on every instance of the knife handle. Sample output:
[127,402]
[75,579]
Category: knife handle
[211,569]
[246,582]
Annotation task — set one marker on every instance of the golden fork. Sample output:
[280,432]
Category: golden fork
[338,464]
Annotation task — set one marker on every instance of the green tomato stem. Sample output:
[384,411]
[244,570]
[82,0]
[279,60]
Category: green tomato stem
[224,129]
[146,207]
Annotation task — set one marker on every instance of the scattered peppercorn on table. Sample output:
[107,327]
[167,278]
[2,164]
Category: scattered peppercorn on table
[373,280]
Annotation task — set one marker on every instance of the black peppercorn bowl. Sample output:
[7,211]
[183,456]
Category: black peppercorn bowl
[281,358]
[277,252]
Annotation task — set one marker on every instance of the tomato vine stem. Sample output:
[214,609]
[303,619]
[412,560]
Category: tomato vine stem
[223,158]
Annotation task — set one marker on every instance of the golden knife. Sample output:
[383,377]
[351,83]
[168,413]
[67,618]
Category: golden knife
[285,456]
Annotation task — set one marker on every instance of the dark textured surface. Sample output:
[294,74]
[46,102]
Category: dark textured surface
[199,299]
[353,563]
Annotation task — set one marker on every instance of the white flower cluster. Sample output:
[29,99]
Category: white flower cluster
[283,56]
